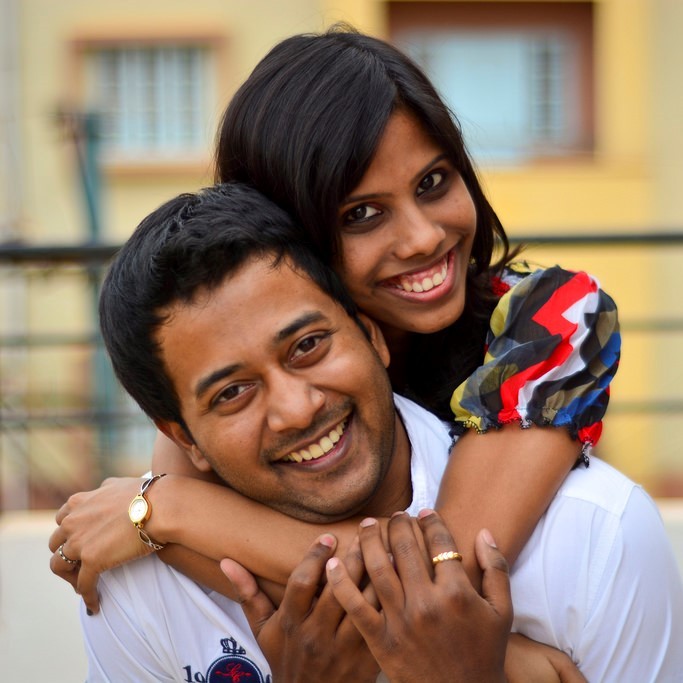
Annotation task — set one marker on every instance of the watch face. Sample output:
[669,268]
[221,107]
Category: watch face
[138,510]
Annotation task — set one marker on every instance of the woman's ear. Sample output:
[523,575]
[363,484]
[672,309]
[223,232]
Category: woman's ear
[376,338]
[183,439]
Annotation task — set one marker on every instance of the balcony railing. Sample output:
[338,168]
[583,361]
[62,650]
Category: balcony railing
[65,424]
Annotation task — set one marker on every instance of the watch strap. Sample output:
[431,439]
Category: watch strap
[143,535]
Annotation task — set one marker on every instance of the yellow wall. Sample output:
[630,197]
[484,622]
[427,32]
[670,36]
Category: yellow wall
[631,184]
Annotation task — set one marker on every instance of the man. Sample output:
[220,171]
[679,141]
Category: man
[244,350]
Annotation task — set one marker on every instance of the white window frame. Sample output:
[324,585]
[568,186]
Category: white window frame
[538,64]
[153,99]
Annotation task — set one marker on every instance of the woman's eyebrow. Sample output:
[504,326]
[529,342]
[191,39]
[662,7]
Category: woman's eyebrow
[351,199]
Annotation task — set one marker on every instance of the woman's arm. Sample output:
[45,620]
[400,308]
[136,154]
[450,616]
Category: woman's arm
[503,481]
[551,352]
[202,522]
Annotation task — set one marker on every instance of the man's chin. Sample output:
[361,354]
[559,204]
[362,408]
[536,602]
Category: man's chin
[324,512]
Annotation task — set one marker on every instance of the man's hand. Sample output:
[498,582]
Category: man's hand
[432,625]
[94,531]
[308,639]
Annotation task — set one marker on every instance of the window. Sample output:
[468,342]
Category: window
[152,99]
[517,76]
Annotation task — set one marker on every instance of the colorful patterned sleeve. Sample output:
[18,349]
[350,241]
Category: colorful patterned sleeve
[552,350]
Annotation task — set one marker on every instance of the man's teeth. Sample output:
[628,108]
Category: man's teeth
[411,285]
[316,450]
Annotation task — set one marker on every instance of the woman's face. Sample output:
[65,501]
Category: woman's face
[406,234]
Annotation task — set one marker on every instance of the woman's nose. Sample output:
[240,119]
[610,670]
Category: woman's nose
[417,234]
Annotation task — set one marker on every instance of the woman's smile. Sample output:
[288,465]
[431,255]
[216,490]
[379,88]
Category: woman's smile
[406,233]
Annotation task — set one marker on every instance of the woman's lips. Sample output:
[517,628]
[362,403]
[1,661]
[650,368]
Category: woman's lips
[429,279]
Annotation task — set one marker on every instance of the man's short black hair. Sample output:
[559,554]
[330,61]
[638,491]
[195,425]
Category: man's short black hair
[191,244]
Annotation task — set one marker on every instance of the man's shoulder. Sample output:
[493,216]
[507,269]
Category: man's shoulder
[419,420]
[429,436]
[165,588]
[599,485]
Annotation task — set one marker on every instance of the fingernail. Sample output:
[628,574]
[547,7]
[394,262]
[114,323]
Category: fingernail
[425,513]
[327,540]
[89,612]
[488,538]
[332,564]
[398,513]
[368,521]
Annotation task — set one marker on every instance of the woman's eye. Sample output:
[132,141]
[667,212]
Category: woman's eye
[430,181]
[360,213]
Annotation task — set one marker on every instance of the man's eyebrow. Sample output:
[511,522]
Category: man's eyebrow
[302,321]
[204,384]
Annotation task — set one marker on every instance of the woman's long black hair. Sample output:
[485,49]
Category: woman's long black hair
[303,130]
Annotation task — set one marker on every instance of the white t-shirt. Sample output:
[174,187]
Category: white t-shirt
[597,579]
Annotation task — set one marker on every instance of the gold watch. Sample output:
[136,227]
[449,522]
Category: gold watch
[140,510]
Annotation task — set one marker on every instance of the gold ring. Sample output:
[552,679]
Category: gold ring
[449,555]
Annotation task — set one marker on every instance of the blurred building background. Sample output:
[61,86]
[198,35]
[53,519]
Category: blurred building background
[573,111]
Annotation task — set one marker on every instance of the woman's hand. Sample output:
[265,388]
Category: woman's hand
[308,638]
[96,534]
[433,625]
[527,661]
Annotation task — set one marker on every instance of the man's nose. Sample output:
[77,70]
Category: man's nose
[293,402]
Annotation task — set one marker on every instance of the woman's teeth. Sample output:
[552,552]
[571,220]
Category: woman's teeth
[424,284]
[316,450]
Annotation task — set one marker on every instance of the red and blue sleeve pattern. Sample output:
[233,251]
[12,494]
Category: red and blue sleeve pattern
[552,351]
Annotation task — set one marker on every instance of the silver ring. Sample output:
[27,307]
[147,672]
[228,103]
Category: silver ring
[64,557]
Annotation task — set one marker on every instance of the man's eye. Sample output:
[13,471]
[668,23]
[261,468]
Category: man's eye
[313,347]
[430,181]
[231,393]
[307,345]
[360,213]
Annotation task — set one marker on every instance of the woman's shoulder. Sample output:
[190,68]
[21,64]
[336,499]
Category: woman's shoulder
[523,278]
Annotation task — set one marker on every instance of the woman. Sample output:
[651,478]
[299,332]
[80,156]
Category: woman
[347,133]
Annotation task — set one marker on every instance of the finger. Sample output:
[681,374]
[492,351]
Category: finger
[380,566]
[256,605]
[62,512]
[86,586]
[68,572]
[438,540]
[57,537]
[495,574]
[328,610]
[409,558]
[305,581]
[363,615]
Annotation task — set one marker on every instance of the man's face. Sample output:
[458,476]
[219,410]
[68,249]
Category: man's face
[284,396]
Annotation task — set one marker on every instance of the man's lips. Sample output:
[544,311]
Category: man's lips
[320,447]
[423,280]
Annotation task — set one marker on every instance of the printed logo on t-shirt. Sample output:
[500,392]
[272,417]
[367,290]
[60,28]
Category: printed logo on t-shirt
[233,667]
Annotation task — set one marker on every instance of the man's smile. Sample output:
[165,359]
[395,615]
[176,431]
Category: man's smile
[319,448]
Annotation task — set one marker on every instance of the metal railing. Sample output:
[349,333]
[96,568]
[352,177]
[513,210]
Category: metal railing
[65,424]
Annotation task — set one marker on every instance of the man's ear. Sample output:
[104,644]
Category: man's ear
[179,435]
[376,338]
